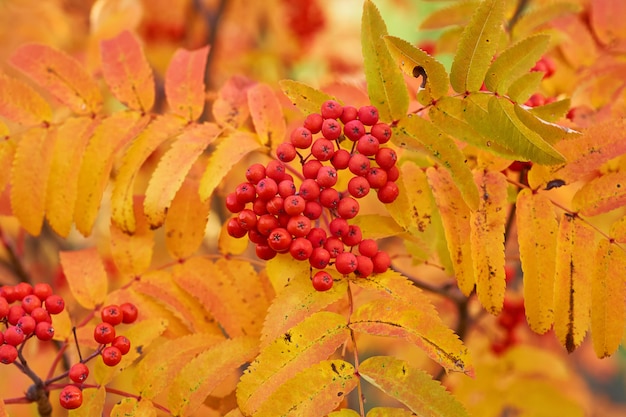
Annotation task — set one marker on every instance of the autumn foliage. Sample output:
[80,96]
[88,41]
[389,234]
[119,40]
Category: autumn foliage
[441,233]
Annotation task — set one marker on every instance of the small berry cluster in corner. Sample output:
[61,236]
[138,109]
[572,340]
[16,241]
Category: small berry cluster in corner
[310,221]
[112,348]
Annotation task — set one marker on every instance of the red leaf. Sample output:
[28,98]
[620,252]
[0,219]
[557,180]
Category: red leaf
[184,82]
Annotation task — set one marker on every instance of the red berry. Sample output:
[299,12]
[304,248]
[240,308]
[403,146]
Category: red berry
[376,177]
[322,281]
[15,312]
[4,308]
[275,170]
[247,219]
[275,206]
[386,158]
[346,263]
[264,252]
[393,173]
[338,227]
[312,210]
[299,226]
[286,188]
[286,152]
[22,290]
[388,192]
[364,267]
[14,336]
[309,189]
[301,248]
[327,177]
[359,164]
[368,247]
[311,168]
[331,109]
[353,237]
[323,149]
[9,293]
[122,343]
[358,187]
[329,197]
[381,262]
[130,313]
[255,173]
[258,207]
[279,239]
[313,122]
[71,397]
[368,115]
[294,205]
[8,354]
[54,304]
[266,223]
[111,355]
[349,113]
[30,302]
[79,372]
[334,246]
[367,145]
[317,236]
[112,314]
[331,129]
[234,229]
[382,132]
[354,130]
[319,258]
[256,237]
[41,315]
[44,331]
[104,333]
[301,138]
[340,159]
[233,204]
[266,189]
[42,290]
[348,208]
[27,324]
[245,192]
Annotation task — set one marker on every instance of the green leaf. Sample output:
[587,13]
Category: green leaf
[385,84]
[515,62]
[458,13]
[411,386]
[410,57]
[477,47]
[553,111]
[416,132]
[522,88]
[550,132]
[306,98]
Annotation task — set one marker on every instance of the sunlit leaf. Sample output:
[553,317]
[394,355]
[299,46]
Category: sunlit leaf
[525,86]
[416,132]
[267,114]
[173,167]
[385,84]
[541,14]
[550,132]
[608,292]
[487,239]
[552,112]
[411,386]
[112,133]
[20,103]
[306,98]
[315,391]
[69,146]
[344,412]
[410,57]
[61,75]
[228,152]
[377,226]
[132,407]
[132,254]
[85,275]
[537,229]
[7,153]
[184,82]
[455,216]
[303,345]
[572,297]
[413,207]
[199,377]
[127,72]
[161,129]
[618,230]
[514,62]
[29,177]
[477,47]
[458,13]
[601,194]
[93,403]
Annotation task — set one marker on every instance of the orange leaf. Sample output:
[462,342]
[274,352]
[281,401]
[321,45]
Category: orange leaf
[29,177]
[537,229]
[69,146]
[61,75]
[228,152]
[230,108]
[173,167]
[161,129]
[607,22]
[601,194]
[7,154]
[572,295]
[127,71]
[305,344]
[608,292]
[199,377]
[21,104]
[487,239]
[86,276]
[455,216]
[187,217]
[132,254]
[184,83]
[132,407]
[112,134]
[618,230]
[267,115]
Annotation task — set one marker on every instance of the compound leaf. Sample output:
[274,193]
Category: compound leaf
[184,83]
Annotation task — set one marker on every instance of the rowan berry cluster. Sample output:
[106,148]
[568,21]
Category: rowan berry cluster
[310,220]
[513,314]
[26,312]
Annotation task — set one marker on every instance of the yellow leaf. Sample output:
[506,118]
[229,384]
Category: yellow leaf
[487,239]
[267,114]
[131,407]
[572,290]
[29,177]
[93,403]
[184,82]
[550,132]
[230,108]
[541,14]
[132,254]
[602,194]
[187,217]
[411,386]
[389,412]
[160,365]
[608,292]
[413,207]
[457,13]
[173,167]
[344,412]
[315,391]
[455,216]
[385,84]
[69,146]
[161,129]
[618,230]
[537,230]
[525,86]
[377,226]
[553,112]
[199,377]
[94,175]
[307,99]
[228,245]
[20,103]
[86,276]
[63,326]
[478,45]
[303,345]
[7,153]
[228,152]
